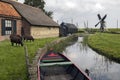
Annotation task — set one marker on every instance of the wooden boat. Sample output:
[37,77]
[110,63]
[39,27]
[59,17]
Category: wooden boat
[55,66]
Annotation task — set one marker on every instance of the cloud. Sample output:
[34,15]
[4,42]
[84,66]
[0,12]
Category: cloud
[98,6]
[74,5]
[71,5]
[21,1]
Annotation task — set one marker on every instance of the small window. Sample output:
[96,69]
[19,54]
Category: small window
[8,23]
[8,27]
[8,32]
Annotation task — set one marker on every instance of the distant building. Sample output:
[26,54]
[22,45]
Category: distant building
[22,19]
[67,28]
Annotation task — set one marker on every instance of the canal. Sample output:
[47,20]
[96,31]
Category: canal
[100,67]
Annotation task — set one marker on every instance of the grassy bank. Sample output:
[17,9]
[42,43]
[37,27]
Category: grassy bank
[114,30]
[12,58]
[106,44]
[61,44]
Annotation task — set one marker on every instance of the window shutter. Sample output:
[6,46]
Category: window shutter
[3,27]
[14,26]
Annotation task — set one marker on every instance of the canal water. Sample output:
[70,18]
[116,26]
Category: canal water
[100,67]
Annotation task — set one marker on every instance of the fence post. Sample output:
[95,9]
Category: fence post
[27,60]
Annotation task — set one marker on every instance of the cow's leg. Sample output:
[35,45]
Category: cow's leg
[21,44]
[12,43]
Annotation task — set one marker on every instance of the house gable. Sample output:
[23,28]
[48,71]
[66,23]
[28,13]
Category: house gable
[10,20]
[7,10]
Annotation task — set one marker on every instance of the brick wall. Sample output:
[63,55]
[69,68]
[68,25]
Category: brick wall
[1,37]
[26,27]
[44,32]
[18,26]
[0,27]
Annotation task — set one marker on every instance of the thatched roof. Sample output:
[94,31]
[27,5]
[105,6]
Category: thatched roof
[33,15]
[69,25]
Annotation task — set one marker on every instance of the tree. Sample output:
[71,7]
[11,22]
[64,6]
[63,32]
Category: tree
[39,4]
[49,13]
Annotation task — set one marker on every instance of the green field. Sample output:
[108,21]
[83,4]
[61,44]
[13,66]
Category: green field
[12,58]
[106,44]
[114,30]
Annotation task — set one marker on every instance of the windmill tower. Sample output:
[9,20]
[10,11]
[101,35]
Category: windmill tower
[101,22]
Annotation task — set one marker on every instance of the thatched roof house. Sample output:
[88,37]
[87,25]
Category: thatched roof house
[32,21]
[67,28]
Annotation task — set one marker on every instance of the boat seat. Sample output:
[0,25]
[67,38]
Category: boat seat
[54,64]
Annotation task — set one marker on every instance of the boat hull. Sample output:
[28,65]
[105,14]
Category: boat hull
[60,70]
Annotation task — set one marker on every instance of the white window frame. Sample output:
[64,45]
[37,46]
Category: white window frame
[8,24]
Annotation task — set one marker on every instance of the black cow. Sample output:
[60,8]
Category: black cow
[28,37]
[16,39]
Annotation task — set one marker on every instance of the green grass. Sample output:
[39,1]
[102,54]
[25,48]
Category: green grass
[106,44]
[12,58]
[59,47]
[114,29]
[93,30]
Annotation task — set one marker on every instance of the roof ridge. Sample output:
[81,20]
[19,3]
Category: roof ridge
[20,3]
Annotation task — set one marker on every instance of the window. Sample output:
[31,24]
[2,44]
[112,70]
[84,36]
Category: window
[8,23]
[8,27]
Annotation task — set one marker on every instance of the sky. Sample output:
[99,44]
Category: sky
[80,11]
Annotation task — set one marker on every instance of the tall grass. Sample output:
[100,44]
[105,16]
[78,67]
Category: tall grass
[114,29]
[59,47]
[106,44]
[12,58]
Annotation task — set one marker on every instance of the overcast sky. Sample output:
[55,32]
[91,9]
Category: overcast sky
[78,11]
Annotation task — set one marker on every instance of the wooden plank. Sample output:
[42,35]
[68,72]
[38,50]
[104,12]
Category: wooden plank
[55,73]
[52,60]
[59,77]
[53,64]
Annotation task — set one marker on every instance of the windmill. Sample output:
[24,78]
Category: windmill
[101,22]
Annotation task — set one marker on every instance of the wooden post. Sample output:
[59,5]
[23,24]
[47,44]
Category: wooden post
[117,24]
[87,23]
[27,60]
[72,21]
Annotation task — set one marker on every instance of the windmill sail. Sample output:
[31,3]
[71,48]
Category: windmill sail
[104,17]
[101,19]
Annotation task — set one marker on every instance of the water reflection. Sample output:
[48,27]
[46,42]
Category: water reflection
[101,68]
